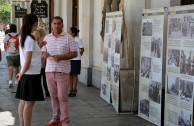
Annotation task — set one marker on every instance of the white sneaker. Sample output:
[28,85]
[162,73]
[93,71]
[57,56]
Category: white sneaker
[16,82]
[10,83]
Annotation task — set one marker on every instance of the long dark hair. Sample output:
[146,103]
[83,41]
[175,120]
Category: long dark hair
[27,23]
[74,30]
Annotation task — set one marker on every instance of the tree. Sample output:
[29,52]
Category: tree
[5,11]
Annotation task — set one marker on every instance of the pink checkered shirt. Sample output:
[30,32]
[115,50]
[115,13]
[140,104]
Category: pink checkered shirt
[60,45]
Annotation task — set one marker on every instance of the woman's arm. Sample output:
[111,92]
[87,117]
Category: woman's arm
[27,63]
[81,51]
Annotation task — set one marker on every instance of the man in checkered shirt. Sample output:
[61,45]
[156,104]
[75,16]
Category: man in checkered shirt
[58,51]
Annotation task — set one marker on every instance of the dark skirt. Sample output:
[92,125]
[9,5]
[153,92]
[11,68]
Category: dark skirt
[29,88]
[75,67]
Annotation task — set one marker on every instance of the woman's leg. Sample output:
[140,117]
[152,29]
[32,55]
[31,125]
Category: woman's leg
[20,112]
[27,112]
[75,80]
[71,82]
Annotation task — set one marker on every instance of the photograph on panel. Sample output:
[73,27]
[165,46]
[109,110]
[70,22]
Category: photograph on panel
[105,56]
[184,119]
[186,90]
[108,73]
[146,67]
[116,73]
[107,26]
[147,27]
[154,91]
[103,89]
[112,59]
[174,28]
[173,85]
[188,27]
[144,107]
[109,41]
[173,58]
[114,26]
[117,46]
[156,47]
[187,62]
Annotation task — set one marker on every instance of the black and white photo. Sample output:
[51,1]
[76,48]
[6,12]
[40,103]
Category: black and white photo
[187,62]
[147,28]
[112,59]
[107,27]
[109,41]
[154,91]
[117,46]
[145,107]
[187,27]
[105,56]
[108,73]
[103,89]
[146,67]
[184,119]
[186,90]
[116,73]
[173,58]
[174,30]
[114,26]
[156,47]
[173,85]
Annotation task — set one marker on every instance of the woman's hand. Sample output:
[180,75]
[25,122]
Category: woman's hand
[41,44]
[18,77]
[45,55]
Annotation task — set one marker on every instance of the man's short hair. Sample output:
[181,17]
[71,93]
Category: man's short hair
[13,28]
[57,18]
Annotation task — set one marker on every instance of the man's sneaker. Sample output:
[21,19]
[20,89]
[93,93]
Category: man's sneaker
[16,82]
[10,83]
[51,123]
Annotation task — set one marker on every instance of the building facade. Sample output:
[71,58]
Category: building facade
[87,16]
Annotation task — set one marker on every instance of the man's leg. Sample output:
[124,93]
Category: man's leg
[16,70]
[52,87]
[62,86]
[10,75]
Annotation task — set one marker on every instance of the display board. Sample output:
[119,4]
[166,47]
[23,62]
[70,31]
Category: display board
[179,67]
[151,57]
[111,59]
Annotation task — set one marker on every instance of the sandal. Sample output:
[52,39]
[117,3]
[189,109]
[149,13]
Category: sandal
[74,92]
[71,93]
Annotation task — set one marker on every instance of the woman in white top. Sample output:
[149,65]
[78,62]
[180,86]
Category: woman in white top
[75,62]
[29,87]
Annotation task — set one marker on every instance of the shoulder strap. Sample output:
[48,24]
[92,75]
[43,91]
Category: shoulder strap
[16,35]
[9,35]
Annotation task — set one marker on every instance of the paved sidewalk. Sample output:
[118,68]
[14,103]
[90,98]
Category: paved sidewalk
[87,109]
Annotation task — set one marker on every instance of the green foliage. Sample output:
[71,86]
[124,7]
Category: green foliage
[5,11]
[43,25]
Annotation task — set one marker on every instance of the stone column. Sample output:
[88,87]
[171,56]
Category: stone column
[86,19]
[13,19]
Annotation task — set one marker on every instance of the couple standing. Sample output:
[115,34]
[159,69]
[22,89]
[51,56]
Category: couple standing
[58,51]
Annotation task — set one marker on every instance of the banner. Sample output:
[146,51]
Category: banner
[111,59]
[151,57]
[179,67]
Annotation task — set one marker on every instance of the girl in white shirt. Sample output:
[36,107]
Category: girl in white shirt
[29,87]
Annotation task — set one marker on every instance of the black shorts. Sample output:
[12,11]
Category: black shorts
[75,67]
[29,88]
